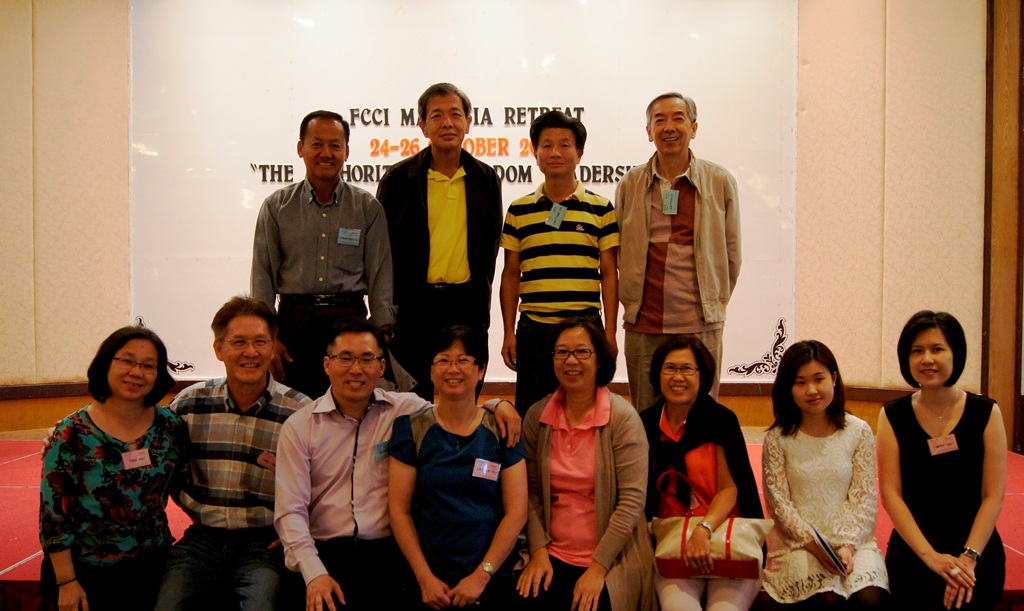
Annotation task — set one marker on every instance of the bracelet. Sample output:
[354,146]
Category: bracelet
[64,583]
[707,525]
[971,553]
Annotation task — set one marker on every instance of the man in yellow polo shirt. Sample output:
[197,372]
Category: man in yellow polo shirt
[444,219]
[561,244]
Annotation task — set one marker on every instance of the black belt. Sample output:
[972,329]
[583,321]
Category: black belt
[339,299]
[442,287]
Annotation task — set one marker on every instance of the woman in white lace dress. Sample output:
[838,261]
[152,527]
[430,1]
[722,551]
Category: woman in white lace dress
[819,473]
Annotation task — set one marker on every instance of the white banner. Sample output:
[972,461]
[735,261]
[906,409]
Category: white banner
[218,90]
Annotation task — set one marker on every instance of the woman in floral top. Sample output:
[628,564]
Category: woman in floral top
[107,472]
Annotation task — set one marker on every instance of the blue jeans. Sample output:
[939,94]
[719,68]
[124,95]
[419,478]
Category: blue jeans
[216,568]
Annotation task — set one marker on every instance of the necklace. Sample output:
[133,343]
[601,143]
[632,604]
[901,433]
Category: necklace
[947,410]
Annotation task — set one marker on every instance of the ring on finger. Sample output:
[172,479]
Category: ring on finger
[954,572]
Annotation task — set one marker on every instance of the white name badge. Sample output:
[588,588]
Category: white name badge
[556,215]
[135,459]
[942,445]
[348,237]
[670,202]
[486,469]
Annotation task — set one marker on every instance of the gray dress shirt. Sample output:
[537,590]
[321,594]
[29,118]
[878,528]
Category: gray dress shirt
[303,248]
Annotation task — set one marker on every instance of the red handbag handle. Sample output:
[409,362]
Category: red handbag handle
[694,488]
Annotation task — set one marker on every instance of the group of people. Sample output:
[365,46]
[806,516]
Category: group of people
[338,491]
[422,253]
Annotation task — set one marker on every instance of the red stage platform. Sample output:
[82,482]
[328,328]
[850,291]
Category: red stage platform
[20,555]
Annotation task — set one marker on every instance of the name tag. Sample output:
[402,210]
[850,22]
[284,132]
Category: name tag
[486,469]
[382,450]
[556,215]
[135,459]
[670,202]
[942,445]
[267,460]
[349,237]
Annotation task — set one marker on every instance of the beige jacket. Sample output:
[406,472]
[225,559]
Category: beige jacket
[716,235]
[620,488]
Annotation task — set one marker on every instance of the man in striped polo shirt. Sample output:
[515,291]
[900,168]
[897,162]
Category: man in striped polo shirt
[561,245]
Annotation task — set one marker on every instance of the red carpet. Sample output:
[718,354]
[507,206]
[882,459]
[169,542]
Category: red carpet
[20,555]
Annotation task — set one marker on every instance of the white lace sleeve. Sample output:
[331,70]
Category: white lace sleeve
[856,519]
[776,491]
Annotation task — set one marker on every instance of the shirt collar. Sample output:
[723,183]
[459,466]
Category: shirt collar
[255,408]
[666,428]
[326,404]
[554,412]
[577,193]
[312,193]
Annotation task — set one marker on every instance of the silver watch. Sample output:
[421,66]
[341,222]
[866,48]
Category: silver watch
[707,525]
[488,568]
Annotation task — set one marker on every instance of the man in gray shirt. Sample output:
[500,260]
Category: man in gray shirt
[321,245]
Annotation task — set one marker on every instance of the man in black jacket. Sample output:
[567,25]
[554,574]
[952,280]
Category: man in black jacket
[444,221]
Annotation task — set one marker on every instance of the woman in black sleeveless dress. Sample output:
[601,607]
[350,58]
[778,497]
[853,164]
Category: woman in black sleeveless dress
[942,473]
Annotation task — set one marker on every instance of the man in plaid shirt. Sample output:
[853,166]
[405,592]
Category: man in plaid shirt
[228,558]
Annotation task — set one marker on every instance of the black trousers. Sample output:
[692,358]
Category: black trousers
[112,587]
[438,306]
[305,332]
[372,573]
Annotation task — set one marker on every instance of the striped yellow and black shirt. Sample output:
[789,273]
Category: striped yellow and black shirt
[561,268]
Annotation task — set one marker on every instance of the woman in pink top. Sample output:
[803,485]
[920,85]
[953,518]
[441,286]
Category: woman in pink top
[587,468]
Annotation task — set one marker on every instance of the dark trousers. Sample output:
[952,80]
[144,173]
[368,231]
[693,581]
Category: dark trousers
[535,371]
[112,587]
[559,596]
[439,306]
[306,332]
[372,573]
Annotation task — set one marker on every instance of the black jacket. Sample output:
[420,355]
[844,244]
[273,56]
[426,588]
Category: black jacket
[403,193]
[707,421]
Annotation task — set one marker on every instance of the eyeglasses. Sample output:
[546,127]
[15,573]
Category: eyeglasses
[687,370]
[463,362]
[129,364]
[581,354]
[346,359]
[241,343]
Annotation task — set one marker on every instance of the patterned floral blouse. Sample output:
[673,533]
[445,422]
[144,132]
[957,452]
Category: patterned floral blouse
[94,505]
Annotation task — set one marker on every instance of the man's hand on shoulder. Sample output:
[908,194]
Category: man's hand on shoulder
[277,364]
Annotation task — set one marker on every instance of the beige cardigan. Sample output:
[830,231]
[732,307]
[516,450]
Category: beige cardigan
[620,489]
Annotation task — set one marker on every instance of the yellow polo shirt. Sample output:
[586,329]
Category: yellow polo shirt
[446,219]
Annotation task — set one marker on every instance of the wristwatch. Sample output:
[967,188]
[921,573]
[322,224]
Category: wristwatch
[971,553]
[707,525]
[488,568]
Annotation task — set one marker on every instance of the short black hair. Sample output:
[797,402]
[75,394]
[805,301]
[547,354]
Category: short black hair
[473,342]
[323,114]
[556,119]
[787,413]
[243,305]
[950,328]
[357,326]
[99,368]
[440,89]
[602,349]
[705,362]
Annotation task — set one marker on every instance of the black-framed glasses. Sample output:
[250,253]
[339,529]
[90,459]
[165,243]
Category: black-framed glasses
[130,364]
[241,343]
[463,362]
[687,370]
[581,354]
[347,359]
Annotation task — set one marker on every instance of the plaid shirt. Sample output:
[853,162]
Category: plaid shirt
[231,473]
